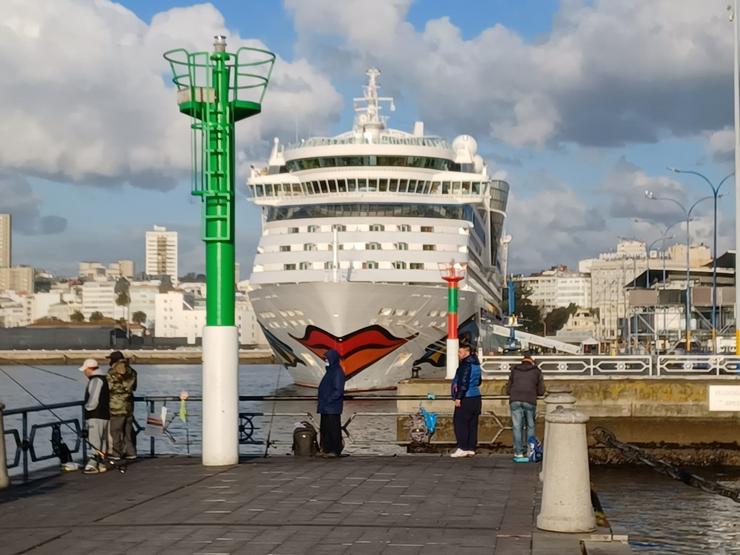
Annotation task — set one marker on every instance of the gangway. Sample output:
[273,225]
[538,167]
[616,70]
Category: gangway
[533,339]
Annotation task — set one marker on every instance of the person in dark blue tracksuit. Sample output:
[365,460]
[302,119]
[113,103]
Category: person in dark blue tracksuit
[331,403]
[466,393]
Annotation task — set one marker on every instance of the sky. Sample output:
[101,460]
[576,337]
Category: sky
[580,105]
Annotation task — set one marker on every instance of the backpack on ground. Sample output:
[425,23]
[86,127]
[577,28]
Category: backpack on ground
[304,440]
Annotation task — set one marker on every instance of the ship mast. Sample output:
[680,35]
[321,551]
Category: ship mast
[368,121]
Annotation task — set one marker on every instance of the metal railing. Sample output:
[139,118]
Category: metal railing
[25,440]
[255,427]
[636,366]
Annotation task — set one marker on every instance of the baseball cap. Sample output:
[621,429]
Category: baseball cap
[89,363]
[115,356]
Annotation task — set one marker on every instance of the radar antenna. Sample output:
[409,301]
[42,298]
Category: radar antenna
[368,107]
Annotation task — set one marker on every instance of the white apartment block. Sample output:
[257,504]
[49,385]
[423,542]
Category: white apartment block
[18,279]
[99,272]
[177,315]
[13,311]
[99,296]
[161,253]
[180,314]
[5,240]
[143,299]
[558,288]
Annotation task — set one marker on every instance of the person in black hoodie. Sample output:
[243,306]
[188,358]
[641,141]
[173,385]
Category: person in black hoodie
[524,385]
[331,403]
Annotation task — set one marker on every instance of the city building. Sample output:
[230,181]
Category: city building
[121,268]
[143,296]
[17,278]
[5,240]
[182,314]
[100,296]
[611,272]
[99,272]
[94,271]
[161,253]
[558,287]
[13,313]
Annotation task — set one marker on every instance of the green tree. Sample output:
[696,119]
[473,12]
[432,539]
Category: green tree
[122,291]
[558,317]
[77,316]
[139,317]
[529,316]
[96,316]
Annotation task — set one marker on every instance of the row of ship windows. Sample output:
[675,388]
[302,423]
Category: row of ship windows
[368,246]
[404,228]
[385,311]
[415,186]
[366,265]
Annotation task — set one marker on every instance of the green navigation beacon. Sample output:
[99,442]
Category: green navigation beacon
[217,89]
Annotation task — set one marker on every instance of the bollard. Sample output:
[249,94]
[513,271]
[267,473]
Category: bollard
[4,481]
[557,396]
[566,489]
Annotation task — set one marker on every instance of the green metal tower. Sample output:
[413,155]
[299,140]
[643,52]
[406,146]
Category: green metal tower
[217,89]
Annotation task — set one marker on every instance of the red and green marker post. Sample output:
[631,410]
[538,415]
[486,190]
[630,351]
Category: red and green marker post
[453,274]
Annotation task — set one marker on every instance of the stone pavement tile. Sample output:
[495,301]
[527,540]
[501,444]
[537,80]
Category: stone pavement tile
[513,545]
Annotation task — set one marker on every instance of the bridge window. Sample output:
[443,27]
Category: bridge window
[309,247]
[427,229]
[288,266]
[372,246]
[402,246]
[416,266]
[284,248]
[377,227]
[370,265]
[292,230]
[305,265]
[404,227]
[429,247]
[399,265]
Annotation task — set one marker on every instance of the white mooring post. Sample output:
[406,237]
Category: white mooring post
[221,389]
[556,397]
[566,489]
[4,480]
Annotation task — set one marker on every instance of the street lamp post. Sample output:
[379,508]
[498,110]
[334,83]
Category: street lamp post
[715,194]
[687,212]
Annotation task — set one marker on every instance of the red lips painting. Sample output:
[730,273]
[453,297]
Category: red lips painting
[357,350]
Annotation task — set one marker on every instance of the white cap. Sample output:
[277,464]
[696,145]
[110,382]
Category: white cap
[89,363]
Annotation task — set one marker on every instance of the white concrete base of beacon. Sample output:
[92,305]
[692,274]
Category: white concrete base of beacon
[452,361]
[220,395]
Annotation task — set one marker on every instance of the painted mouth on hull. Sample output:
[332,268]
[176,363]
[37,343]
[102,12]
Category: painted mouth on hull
[289,358]
[357,350]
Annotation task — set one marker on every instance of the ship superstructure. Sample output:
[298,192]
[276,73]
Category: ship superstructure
[354,230]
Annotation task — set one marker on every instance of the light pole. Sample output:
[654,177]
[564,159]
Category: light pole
[664,237]
[652,196]
[715,194]
[736,100]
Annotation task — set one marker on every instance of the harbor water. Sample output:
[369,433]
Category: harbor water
[661,515]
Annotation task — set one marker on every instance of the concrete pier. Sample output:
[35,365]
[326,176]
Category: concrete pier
[136,356]
[285,505]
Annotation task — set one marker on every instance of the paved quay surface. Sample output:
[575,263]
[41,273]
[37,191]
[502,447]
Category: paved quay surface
[283,505]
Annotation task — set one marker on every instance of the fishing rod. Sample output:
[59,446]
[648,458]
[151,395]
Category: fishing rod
[19,363]
[272,412]
[100,454]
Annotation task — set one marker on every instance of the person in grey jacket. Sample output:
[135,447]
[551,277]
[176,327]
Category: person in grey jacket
[524,385]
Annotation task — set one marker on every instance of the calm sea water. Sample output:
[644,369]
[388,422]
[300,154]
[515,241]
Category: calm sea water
[662,516]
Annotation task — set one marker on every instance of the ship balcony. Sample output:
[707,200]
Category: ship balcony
[320,186]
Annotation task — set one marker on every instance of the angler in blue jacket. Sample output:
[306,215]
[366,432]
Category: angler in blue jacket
[331,403]
[466,393]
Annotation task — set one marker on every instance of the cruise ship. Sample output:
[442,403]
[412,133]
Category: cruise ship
[355,229]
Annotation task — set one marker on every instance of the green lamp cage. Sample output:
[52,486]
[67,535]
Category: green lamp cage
[217,89]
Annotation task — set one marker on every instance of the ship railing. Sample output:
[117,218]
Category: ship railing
[266,424]
[707,366]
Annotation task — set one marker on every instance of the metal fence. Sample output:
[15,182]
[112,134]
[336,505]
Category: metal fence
[626,366]
[259,430]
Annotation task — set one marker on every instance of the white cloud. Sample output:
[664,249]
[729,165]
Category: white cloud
[609,72]
[721,144]
[90,98]
[19,200]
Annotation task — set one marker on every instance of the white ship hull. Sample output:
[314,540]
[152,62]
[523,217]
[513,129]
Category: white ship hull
[381,330]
